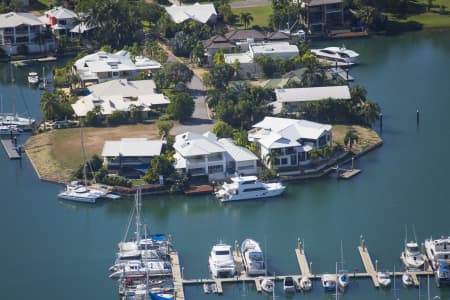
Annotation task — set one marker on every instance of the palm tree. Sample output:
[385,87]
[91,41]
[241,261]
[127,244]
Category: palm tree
[313,75]
[358,93]
[370,112]
[350,138]
[49,106]
[271,158]
[314,154]
[366,14]
[245,18]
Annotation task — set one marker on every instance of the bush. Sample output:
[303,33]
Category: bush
[268,174]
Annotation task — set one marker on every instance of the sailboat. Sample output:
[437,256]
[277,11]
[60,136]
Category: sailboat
[75,191]
[342,277]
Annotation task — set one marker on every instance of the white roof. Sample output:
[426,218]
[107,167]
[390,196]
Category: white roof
[119,94]
[275,132]
[13,19]
[81,28]
[243,58]
[146,63]
[274,48]
[192,144]
[237,153]
[313,93]
[61,13]
[127,147]
[198,12]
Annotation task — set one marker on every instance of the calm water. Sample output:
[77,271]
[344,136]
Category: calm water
[53,249]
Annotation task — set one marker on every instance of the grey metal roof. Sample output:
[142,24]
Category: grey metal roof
[13,19]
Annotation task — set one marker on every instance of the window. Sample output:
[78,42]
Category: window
[302,156]
[197,171]
[293,159]
[284,161]
[289,150]
[215,156]
[215,169]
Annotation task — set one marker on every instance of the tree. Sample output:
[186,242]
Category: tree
[267,65]
[271,158]
[181,107]
[366,14]
[350,138]
[240,137]
[159,165]
[173,73]
[136,112]
[314,154]
[246,18]
[49,105]
[358,93]
[183,43]
[219,76]
[164,128]
[370,112]
[314,75]
[222,129]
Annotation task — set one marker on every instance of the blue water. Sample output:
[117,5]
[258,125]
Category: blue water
[54,249]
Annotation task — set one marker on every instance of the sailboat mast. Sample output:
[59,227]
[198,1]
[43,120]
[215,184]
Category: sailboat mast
[138,216]
[83,153]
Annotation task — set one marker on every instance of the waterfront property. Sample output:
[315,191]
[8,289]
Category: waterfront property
[103,66]
[284,142]
[121,95]
[290,98]
[60,19]
[202,13]
[23,33]
[201,155]
[133,153]
[322,15]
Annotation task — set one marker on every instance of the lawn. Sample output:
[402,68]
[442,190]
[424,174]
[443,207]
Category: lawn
[260,15]
[420,15]
[57,154]
[367,137]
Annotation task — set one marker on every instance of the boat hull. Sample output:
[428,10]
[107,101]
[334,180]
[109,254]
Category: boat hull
[254,195]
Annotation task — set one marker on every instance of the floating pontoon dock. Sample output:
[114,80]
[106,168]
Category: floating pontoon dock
[10,149]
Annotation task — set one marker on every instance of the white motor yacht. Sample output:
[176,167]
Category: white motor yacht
[221,262]
[22,123]
[33,78]
[305,284]
[248,187]
[329,282]
[437,250]
[253,258]
[337,54]
[80,193]
[384,279]
[9,130]
[135,268]
[411,256]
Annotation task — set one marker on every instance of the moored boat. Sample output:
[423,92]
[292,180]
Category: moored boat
[77,192]
[407,279]
[33,78]
[437,250]
[411,256]
[9,130]
[221,261]
[267,285]
[337,54]
[305,283]
[253,258]
[384,279]
[248,187]
[329,282]
[289,284]
[343,279]
[442,273]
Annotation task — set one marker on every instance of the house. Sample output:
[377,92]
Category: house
[323,15]
[242,38]
[282,142]
[103,66]
[215,44]
[133,153]
[61,20]
[203,154]
[202,13]
[23,33]
[290,98]
[122,95]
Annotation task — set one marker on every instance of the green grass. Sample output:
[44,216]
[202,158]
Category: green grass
[260,15]
[138,182]
[419,17]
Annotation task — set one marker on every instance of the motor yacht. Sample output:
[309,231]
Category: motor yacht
[437,250]
[329,282]
[33,78]
[253,258]
[337,54]
[221,262]
[289,284]
[384,279]
[248,187]
[411,256]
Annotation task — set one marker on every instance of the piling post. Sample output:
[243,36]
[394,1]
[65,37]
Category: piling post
[376,265]
[310,268]
[236,247]
[417,117]
[299,245]
[381,121]
[353,162]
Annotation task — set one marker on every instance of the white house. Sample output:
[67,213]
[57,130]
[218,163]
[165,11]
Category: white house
[291,97]
[23,32]
[103,66]
[202,13]
[204,155]
[61,20]
[289,140]
[121,94]
[135,153]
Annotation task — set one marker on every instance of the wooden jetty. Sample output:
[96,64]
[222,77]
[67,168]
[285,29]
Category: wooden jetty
[367,262]
[347,174]
[199,189]
[344,74]
[10,149]
[302,261]
[177,276]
